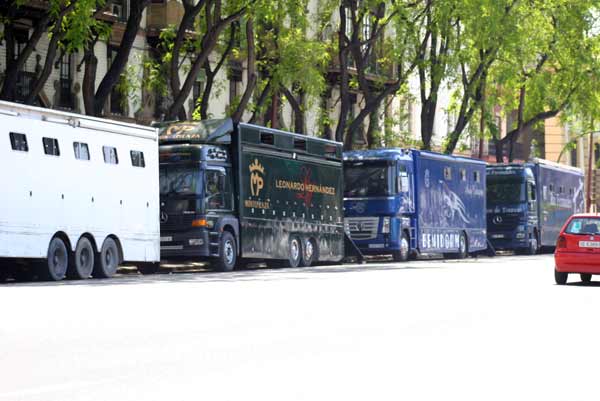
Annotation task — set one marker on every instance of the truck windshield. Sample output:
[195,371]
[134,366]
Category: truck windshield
[367,179]
[180,180]
[505,190]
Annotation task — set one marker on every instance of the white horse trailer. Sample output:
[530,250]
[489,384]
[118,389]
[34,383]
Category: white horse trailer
[79,195]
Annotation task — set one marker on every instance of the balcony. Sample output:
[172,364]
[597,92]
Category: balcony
[160,15]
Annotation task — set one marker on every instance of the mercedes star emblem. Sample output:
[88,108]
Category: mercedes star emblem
[164,217]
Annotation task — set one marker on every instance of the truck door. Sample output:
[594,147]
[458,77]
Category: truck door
[218,195]
[532,204]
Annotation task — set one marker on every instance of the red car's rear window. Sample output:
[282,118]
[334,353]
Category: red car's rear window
[583,225]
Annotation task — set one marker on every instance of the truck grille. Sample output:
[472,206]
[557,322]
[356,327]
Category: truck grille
[362,228]
[176,222]
[504,222]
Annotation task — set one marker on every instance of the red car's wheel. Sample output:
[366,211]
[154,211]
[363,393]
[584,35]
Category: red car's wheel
[585,277]
[560,277]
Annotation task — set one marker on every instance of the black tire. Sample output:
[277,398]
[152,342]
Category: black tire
[108,260]
[533,247]
[294,252]
[148,268]
[54,268]
[309,254]
[585,277]
[81,264]
[403,254]
[560,277]
[463,247]
[227,253]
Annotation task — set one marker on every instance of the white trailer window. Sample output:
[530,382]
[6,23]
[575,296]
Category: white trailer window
[110,155]
[447,173]
[51,146]
[19,142]
[476,176]
[137,158]
[81,150]
[463,174]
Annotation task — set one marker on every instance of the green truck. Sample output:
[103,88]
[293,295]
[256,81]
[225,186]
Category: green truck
[231,193]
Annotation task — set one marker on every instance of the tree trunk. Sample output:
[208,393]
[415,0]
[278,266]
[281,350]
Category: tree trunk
[120,62]
[40,81]
[251,77]
[89,79]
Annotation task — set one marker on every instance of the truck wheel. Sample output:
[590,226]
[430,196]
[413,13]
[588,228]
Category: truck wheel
[403,253]
[310,253]
[560,277]
[533,246]
[82,261]
[227,253]
[585,277]
[462,247]
[108,261]
[295,252]
[57,262]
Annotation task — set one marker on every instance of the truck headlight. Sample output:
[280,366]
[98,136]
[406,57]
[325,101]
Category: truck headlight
[521,228]
[520,235]
[385,228]
[196,241]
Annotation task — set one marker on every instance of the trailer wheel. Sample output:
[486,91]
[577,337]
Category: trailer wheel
[227,253]
[560,277]
[108,260]
[463,248]
[309,254]
[57,261]
[82,261]
[585,277]
[295,252]
[403,253]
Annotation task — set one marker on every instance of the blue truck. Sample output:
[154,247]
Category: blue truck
[404,202]
[528,203]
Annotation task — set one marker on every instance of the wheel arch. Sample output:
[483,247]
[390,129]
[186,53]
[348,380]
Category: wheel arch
[92,240]
[64,238]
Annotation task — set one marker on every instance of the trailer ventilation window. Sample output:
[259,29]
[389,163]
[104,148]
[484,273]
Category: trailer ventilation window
[82,152]
[476,176]
[110,155]
[300,144]
[551,188]
[571,191]
[137,158]
[447,173]
[267,138]
[463,174]
[330,151]
[19,142]
[51,146]
[561,190]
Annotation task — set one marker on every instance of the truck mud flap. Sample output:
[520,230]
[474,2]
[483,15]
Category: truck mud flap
[351,250]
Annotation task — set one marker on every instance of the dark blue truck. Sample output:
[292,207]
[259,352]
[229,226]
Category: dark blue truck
[403,202]
[528,203]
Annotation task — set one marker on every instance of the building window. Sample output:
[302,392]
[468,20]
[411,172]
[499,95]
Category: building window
[66,82]
[137,158]
[235,78]
[116,97]
[110,155]
[51,146]
[19,142]
[81,150]
[120,9]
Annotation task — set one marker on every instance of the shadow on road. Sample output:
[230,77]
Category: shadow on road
[200,274]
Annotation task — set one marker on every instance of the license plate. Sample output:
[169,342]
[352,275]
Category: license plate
[497,235]
[166,239]
[375,245]
[589,244]
[171,248]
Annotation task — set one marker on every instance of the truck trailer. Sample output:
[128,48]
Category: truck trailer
[239,192]
[528,203]
[404,201]
[79,194]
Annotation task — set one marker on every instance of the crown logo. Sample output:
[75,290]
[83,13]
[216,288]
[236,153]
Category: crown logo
[256,166]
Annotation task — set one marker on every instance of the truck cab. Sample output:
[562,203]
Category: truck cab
[379,202]
[197,202]
[512,208]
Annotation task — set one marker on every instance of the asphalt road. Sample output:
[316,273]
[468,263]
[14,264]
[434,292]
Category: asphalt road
[487,329]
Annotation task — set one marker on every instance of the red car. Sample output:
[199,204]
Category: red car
[578,248]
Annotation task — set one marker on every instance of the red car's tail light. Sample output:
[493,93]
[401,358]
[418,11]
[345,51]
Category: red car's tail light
[561,242]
